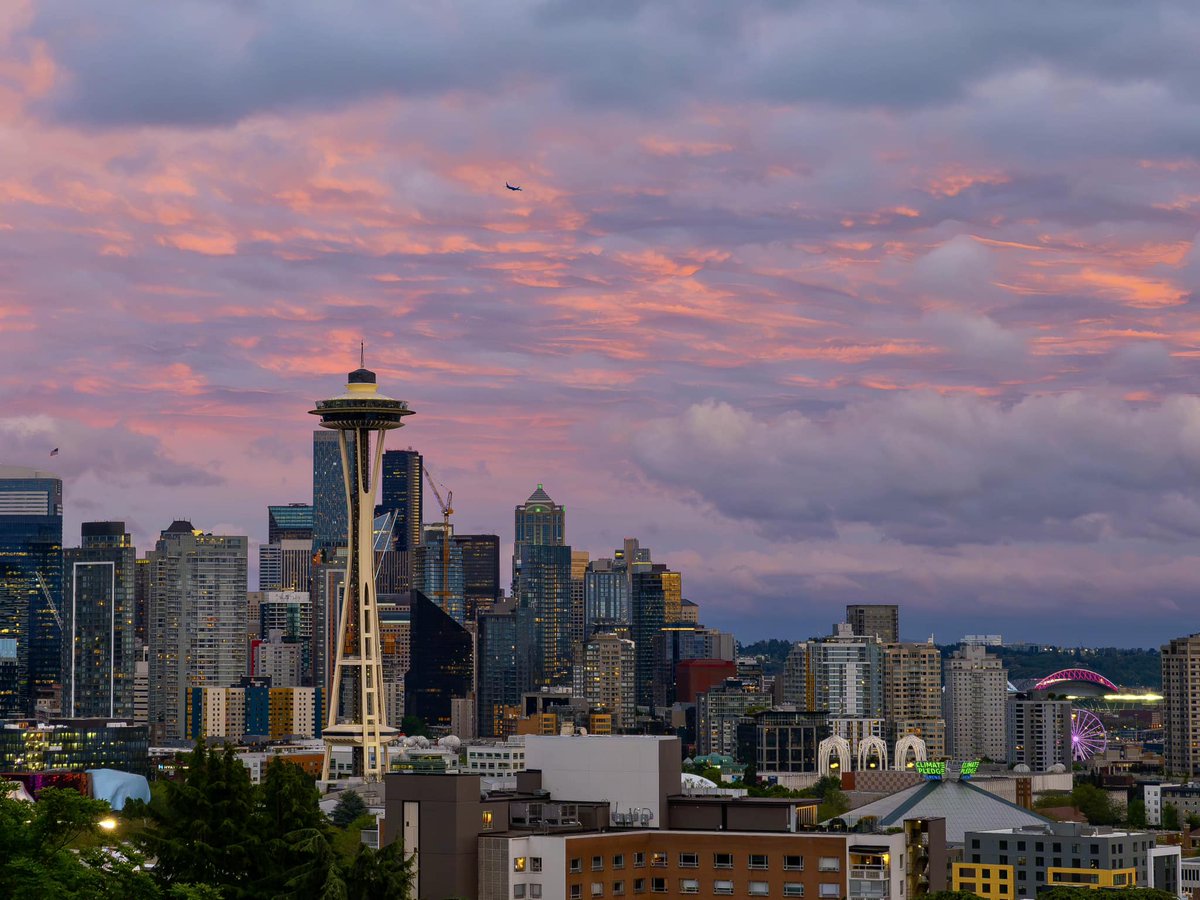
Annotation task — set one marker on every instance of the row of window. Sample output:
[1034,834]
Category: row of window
[1040,846]
[1055,862]
[685,886]
[691,860]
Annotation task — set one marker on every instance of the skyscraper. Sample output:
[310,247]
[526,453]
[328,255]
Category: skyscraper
[434,559]
[505,661]
[292,522]
[329,492]
[1181,701]
[30,588]
[401,493]
[841,674]
[100,646]
[974,704]
[481,571]
[648,606]
[604,670]
[605,595]
[579,564]
[539,521]
[544,587]
[442,663]
[912,694]
[357,718]
[197,620]
[879,619]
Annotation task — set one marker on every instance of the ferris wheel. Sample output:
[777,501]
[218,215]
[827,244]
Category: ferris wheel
[1088,736]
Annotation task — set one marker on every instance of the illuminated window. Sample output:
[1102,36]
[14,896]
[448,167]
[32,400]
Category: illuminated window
[487,820]
[658,860]
[519,864]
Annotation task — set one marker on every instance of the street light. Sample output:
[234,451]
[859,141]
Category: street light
[108,823]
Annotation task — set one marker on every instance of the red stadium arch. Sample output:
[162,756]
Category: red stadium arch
[1064,675]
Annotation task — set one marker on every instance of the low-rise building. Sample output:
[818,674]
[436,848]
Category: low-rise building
[74,745]
[1006,863]
[496,759]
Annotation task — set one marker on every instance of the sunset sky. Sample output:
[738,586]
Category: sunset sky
[825,302]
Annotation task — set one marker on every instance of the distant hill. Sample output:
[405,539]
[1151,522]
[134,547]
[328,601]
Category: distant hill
[1123,666]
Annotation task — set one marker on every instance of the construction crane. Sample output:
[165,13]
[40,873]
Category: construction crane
[49,600]
[447,508]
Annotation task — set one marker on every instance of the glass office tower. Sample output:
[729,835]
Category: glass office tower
[30,589]
[442,666]
[100,646]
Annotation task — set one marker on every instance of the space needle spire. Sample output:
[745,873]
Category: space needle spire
[356,710]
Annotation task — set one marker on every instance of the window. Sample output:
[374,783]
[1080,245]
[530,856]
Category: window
[1040,862]
[518,891]
[793,889]
[794,862]
[597,889]
[966,873]
[1004,888]
[487,820]
[758,860]
[722,887]
[535,864]
[975,843]
[658,860]
[1020,845]
[689,860]
[576,864]
[1004,860]
[689,886]
[722,860]
[1004,845]
[829,864]
[597,863]
[639,859]
[658,885]
[759,889]
[1040,847]
[518,864]
[1057,848]
[619,861]
[639,885]
[831,890]
[1096,849]
[576,892]
[535,891]
[618,888]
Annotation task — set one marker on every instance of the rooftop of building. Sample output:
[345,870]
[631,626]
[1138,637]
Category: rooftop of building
[25,472]
[1064,829]
[964,806]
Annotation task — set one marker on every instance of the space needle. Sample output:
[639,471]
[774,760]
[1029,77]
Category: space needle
[356,713]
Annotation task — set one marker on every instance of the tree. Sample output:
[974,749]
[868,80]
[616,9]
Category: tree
[350,806]
[288,801]
[414,726]
[1095,804]
[1170,817]
[202,829]
[380,874]
[1135,815]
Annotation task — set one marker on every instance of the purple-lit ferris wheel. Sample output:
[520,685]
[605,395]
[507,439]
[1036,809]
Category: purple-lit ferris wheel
[1088,736]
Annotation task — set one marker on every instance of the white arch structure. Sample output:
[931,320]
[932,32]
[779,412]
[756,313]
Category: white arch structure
[870,747]
[829,748]
[910,743]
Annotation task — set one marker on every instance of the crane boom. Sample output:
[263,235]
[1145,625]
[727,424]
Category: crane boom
[447,508]
[49,600]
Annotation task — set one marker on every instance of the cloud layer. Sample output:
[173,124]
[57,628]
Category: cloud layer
[902,300]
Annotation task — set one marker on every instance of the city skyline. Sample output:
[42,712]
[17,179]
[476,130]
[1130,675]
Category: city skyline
[861,320]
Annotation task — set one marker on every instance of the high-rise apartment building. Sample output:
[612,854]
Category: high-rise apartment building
[974,704]
[197,620]
[1038,732]
[506,660]
[141,599]
[31,511]
[604,670]
[881,620]
[539,521]
[481,571]
[1181,705]
[285,565]
[841,674]
[100,647]
[912,695]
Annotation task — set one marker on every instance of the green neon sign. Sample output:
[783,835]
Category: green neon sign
[969,768]
[931,769]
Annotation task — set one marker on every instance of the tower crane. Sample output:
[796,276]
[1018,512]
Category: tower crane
[447,508]
[49,600]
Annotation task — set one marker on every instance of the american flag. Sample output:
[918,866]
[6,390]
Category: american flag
[54,452]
